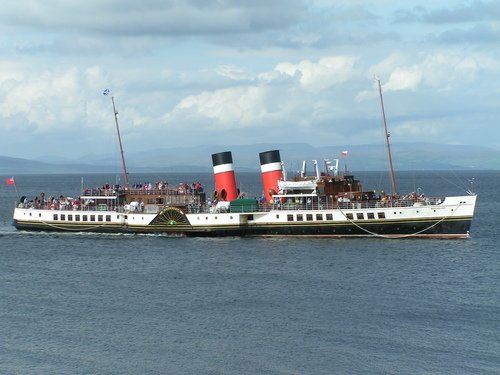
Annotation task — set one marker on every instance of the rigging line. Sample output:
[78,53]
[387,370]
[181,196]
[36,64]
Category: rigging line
[461,186]
[464,185]
[398,237]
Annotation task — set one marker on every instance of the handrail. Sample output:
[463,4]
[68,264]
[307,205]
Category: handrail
[195,207]
[138,191]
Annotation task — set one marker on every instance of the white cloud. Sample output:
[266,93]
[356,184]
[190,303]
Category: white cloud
[408,78]
[277,97]
[50,100]
[442,70]
[232,72]
[424,130]
[327,72]
[231,107]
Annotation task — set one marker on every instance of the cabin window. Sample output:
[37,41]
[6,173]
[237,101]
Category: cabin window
[159,201]
[108,217]
[92,217]
[319,217]
[381,215]
[329,216]
[360,216]
[300,217]
[277,216]
[250,217]
[151,201]
[349,216]
[289,217]
[63,217]
[77,217]
[99,218]
[70,217]
[85,218]
[56,217]
[370,215]
[309,217]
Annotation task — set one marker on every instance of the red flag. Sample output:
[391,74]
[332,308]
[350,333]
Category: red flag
[344,153]
[10,181]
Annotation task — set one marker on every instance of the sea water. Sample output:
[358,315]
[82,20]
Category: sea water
[82,303]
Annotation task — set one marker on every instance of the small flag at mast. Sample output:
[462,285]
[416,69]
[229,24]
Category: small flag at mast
[10,181]
[105,92]
[344,153]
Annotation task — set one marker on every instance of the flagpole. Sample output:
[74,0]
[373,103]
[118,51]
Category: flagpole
[344,155]
[13,182]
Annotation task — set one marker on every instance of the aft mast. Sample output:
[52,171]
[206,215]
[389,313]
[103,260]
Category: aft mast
[388,144]
[125,173]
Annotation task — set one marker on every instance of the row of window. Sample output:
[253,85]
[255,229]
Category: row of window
[320,217]
[78,217]
[290,217]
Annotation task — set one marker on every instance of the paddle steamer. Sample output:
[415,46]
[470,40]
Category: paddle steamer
[324,204]
[327,203]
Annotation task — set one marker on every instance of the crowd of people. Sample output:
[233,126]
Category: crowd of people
[51,202]
[68,203]
[182,188]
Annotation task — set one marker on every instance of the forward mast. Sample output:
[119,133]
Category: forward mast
[394,189]
[125,173]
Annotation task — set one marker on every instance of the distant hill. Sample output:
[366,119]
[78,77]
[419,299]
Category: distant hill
[13,166]
[407,156]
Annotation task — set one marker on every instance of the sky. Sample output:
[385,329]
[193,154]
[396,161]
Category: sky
[234,72]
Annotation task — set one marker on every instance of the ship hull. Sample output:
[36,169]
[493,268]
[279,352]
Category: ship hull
[450,219]
[457,228]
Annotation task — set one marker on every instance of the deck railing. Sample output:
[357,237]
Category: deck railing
[105,192]
[193,207]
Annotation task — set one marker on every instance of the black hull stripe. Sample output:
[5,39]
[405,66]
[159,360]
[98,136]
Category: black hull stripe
[456,227]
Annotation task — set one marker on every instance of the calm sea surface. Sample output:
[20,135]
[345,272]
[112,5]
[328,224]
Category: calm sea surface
[139,304]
